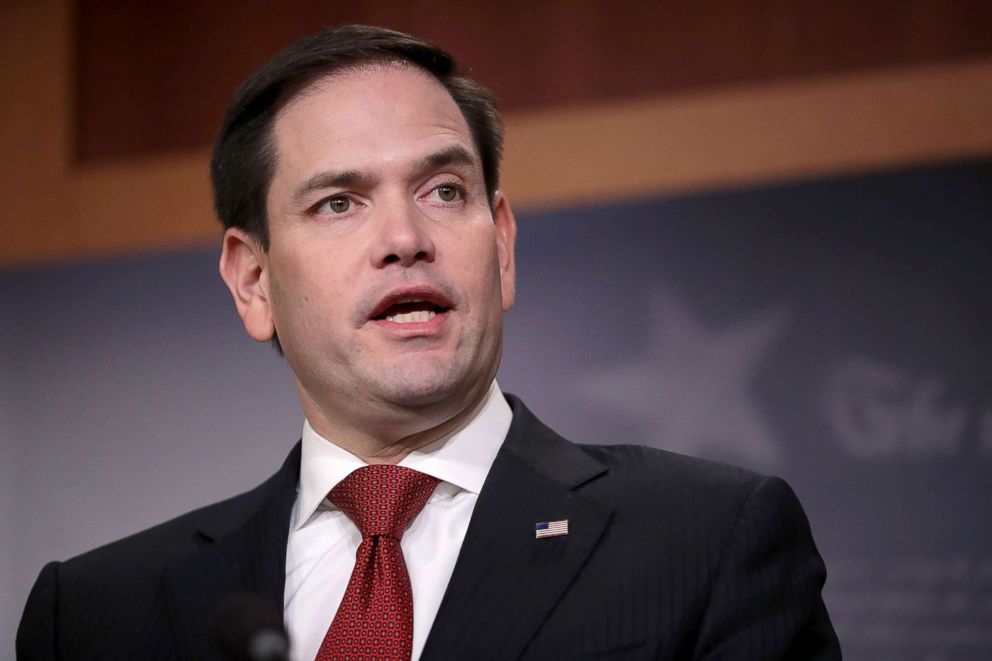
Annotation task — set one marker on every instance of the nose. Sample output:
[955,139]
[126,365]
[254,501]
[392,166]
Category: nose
[402,237]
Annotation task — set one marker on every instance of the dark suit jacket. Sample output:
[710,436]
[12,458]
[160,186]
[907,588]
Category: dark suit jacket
[667,557]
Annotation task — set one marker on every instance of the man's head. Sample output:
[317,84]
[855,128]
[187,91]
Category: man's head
[386,261]
[244,157]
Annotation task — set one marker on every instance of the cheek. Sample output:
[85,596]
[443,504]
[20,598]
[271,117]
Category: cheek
[302,299]
[479,271]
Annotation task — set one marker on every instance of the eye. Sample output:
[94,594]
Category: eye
[448,193]
[338,204]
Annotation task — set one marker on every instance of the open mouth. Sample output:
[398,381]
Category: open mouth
[411,312]
[414,305]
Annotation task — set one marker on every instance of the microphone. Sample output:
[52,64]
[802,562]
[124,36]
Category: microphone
[248,628]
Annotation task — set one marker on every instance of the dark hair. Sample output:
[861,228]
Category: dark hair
[244,155]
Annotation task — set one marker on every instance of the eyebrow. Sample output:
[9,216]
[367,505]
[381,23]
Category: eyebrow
[330,179]
[454,155]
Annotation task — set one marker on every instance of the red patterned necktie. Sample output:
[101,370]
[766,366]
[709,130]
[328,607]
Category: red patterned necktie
[375,618]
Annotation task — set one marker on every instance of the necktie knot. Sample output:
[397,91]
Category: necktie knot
[381,499]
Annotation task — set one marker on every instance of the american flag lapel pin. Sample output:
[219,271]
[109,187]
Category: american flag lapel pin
[551,529]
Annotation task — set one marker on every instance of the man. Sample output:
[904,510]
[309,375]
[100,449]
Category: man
[424,514]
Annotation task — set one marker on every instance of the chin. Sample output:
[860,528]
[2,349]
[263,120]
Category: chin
[421,388]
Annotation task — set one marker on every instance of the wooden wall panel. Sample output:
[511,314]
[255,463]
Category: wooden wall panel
[155,76]
[732,137]
[34,127]
[687,138]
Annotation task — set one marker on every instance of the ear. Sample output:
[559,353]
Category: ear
[244,269]
[506,239]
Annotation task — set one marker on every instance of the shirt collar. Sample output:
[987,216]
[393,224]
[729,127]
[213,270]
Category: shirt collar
[461,458]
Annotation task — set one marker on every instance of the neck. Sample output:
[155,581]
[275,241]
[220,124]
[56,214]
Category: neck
[389,439]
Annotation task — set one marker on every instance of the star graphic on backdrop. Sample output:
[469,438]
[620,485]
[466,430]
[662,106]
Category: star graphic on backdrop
[689,390]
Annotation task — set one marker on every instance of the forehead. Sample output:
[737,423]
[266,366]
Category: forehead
[375,115]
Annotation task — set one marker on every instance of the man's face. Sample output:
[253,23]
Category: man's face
[387,273]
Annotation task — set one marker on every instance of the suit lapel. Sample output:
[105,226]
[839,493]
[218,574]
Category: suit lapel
[506,582]
[244,551]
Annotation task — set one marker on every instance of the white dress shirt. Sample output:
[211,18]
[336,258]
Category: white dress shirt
[320,554]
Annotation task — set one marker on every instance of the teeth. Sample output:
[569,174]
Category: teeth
[417,316]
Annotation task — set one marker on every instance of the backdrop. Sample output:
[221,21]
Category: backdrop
[835,333]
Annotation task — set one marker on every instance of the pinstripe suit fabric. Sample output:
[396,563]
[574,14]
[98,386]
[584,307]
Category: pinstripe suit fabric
[667,557]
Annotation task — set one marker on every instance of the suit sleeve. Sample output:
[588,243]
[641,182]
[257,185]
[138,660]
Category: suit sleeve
[766,601]
[36,632]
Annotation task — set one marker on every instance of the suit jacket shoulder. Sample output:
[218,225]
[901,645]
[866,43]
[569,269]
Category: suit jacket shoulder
[132,598]
[666,557]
